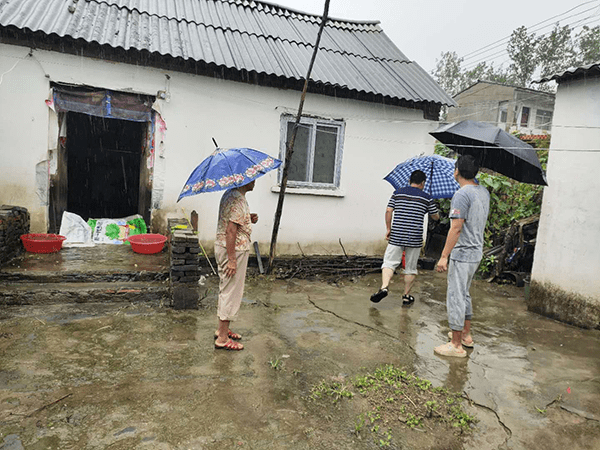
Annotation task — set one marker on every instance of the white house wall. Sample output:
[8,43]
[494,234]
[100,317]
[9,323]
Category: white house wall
[566,253]
[377,137]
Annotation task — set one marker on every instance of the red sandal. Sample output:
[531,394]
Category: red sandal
[231,335]
[229,345]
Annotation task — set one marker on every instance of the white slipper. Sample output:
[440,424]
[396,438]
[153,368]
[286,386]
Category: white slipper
[450,350]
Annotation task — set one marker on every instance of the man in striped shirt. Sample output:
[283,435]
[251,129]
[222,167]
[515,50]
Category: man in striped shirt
[404,218]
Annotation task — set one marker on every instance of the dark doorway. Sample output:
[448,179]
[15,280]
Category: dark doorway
[103,166]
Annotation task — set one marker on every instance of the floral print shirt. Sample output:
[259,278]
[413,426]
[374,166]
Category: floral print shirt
[234,208]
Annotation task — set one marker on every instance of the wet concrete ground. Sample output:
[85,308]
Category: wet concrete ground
[141,376]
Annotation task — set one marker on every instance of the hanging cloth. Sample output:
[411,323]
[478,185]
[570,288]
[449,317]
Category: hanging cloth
[103,103]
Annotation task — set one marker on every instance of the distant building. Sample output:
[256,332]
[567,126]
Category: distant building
[511,108]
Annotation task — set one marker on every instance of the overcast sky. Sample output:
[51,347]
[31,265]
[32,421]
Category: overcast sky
[424,29]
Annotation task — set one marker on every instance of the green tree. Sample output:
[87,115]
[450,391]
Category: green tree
[486,72]
[447,72]
[522,49]
[556,51]
[588,48]
[453,78]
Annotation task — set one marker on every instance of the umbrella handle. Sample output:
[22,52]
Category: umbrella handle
[215,142]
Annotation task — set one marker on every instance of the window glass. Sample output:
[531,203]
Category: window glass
[298,169]
[503,112]
[317,157]
[543,119]
[324,161]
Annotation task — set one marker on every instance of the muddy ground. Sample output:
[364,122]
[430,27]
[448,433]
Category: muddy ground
[143,376]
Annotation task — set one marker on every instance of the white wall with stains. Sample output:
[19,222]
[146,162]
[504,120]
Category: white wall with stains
[568,240]
[377,137]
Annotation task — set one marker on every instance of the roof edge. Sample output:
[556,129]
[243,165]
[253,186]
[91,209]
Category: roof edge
[571,73]
[506,85]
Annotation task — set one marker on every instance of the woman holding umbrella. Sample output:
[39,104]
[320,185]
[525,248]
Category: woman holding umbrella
[234,170]
[232,248]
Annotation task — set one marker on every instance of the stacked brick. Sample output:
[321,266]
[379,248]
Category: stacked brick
[14,222]
[185,270]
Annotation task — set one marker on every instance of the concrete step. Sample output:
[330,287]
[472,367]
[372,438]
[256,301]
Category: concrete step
[115,276]
[20,293]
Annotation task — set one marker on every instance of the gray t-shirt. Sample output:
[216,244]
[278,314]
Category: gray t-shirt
[471,203]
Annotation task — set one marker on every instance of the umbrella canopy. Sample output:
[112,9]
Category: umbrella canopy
[440,182]
[493,148]
[228,168]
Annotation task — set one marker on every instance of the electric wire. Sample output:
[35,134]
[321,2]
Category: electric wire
[590,19]
[533,28]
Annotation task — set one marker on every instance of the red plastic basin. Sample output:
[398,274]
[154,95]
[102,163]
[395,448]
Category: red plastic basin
[147,243]
[42,242]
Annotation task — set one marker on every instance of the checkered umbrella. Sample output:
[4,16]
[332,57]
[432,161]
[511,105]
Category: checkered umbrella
[440,182]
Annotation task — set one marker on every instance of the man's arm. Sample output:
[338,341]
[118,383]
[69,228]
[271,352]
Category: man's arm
[389,213]
[230,235]
[451,240]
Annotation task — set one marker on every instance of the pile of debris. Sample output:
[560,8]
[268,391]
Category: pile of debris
[14,222]
[328,268]
[513,259]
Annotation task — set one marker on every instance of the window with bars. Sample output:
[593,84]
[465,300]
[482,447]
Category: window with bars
[317,158]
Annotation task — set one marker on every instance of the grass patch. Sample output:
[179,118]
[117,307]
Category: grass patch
[397,400]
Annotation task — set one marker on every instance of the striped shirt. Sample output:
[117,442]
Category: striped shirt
[410,204]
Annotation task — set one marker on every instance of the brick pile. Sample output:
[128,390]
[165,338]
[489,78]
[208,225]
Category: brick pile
[14,221]
[185,270]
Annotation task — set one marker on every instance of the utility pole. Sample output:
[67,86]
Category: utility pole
[289,151]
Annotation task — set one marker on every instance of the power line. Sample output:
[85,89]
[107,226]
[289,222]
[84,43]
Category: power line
[468,55]
[573,25]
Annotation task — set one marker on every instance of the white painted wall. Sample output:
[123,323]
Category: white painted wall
[377,137]
[568,241]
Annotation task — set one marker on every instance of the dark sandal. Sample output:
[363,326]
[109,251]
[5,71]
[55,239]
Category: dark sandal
[231,335]
[229,345]
[377,296]
[407,300]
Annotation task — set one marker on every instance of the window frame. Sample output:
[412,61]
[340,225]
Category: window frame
[502,109]
[313,123]
[547,115]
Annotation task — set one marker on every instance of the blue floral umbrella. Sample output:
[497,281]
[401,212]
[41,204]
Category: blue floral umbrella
[440,182]
[228,168]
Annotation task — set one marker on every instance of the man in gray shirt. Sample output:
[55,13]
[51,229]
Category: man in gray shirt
[462,253]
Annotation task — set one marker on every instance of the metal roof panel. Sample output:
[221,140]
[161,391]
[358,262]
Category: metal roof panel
[239,34]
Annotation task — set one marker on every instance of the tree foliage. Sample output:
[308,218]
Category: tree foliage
[589,45]
[556,51]
[522,51]
[530,56]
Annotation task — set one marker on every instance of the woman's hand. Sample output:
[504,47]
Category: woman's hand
[231,268]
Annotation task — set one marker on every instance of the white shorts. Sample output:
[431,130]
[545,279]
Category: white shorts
[393,258]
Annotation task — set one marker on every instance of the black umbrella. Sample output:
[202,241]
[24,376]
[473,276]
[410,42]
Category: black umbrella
[493,148]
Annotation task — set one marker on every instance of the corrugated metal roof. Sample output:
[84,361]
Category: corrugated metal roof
[573,72]
[237,34]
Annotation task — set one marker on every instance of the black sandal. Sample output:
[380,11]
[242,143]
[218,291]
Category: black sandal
[407,300]
[377,296]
